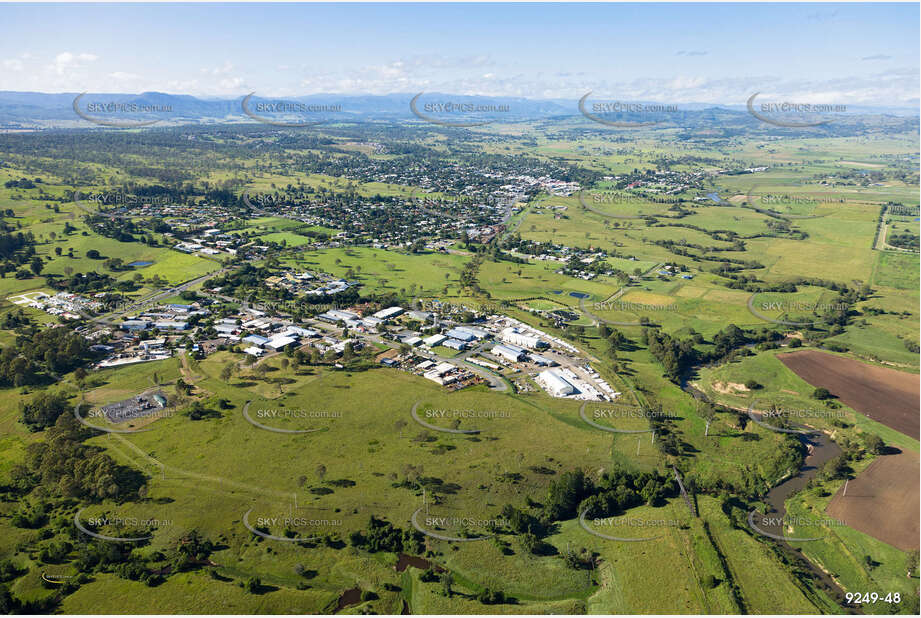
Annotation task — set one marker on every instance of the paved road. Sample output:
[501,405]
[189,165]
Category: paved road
[154,297]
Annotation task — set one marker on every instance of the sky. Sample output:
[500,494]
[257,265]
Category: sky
[858,54]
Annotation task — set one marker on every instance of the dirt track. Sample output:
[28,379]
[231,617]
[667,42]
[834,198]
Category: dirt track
[883,501]
[885,395]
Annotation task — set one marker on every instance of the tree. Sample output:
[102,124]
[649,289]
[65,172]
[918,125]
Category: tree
[706,412]
[911,562]
[43,410]
[92,254]
[874,444]
[36,265]
[182,387]
[253,585]
[446,580]
[227,372]
[530,542]
[821,393]
[320,472]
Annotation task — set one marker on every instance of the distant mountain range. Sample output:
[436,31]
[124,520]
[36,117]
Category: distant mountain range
[43,110]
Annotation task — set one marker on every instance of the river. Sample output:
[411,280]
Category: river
[821,449]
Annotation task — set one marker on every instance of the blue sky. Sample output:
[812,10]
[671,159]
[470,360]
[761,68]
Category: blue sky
[710,53]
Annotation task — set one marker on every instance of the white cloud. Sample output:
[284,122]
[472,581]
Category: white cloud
[123,77]
[66,62]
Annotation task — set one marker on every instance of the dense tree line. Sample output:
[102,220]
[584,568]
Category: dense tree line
[37,355]
[62,466]
[381,535]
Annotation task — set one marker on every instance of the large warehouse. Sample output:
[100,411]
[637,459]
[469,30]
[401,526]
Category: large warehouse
[555,384]
[516,337]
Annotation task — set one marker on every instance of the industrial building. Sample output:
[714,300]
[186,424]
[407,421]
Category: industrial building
[461,334]
[454,344]
[280,341]
[388,313]
[543,361]
[515,336]
[434,340]
[555,383]
[335,315]
[509,352]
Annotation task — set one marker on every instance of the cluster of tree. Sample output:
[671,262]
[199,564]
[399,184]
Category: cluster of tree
[11,244]
[676,356]
[904,240]
[574,493]
[82,283]
[15,319]
[199,410]
[18,250]
[61,465]
[468,276]
[22,183]
[39,354]
[381,535]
